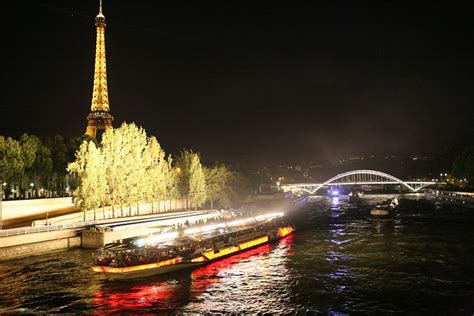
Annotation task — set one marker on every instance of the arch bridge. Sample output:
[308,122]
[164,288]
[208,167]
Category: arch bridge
[358,177]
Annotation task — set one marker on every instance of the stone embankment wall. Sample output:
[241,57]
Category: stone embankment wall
[26,250]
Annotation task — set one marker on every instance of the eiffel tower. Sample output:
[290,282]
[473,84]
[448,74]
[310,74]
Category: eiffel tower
[100,118]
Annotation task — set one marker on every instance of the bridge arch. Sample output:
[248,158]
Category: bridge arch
[389,179]
[368,172]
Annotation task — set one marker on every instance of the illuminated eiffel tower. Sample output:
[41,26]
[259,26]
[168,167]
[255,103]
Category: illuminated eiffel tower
[100,118]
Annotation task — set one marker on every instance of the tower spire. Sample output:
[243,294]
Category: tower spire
[99,119]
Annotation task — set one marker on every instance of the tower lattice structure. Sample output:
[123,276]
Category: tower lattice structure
[100,118]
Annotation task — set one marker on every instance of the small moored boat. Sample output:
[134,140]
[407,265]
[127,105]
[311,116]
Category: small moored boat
[384,209]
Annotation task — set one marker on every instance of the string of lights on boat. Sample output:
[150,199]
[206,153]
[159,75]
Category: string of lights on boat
[169,236]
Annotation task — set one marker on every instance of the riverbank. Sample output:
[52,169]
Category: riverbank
[66,232]
[465,199]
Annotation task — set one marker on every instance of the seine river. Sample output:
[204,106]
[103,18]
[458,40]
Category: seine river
[339,261]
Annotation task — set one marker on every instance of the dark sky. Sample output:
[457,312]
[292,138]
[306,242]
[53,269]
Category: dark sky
[251,81]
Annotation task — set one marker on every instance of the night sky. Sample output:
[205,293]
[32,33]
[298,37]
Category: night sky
[248,81]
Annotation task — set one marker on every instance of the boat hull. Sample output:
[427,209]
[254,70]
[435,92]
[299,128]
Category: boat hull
[380,213]
[135,274]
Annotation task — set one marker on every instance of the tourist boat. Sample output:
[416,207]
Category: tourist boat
[185,253]
[384,209]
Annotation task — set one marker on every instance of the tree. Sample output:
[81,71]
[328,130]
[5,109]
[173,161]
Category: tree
[191,179]
[93,189]
[29,146]
[239,186]
[172,180]
[463,166]
[11,162]
[129,167]
[72,146]
[183,171]
[217,184]
[37,162]
[113,149]
[41,168]
[134,168]
[58,149]
[158,172]
[197,182]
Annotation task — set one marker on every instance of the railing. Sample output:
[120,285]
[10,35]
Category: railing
[44,229]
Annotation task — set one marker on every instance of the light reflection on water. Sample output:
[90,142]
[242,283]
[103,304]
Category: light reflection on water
[215,287]
[338,262]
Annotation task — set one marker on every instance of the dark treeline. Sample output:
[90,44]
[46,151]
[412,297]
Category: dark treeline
[31,166]
[463,166]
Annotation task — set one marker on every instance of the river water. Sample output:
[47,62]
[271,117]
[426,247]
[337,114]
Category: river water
[338,261]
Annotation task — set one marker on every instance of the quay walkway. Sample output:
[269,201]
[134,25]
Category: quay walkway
[26,241]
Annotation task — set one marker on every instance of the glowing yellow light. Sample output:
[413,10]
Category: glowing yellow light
[253,243]
[198,259]
[285,231]
[210,255]
[137,268]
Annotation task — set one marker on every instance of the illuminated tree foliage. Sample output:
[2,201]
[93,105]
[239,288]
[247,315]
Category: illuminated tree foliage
[160,183]
[218,189]
[197,182]
[129,168]
[126,169]
[92,192]
[191,178]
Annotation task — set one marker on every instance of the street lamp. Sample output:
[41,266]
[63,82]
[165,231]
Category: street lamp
[32,185]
